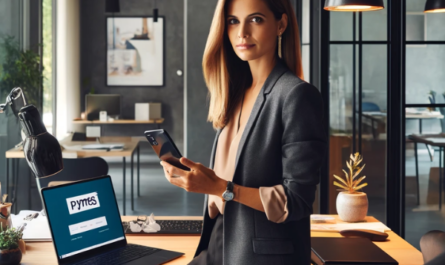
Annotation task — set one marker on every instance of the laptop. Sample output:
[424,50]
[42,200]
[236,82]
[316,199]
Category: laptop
[86,226]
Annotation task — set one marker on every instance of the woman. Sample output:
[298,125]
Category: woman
[269,144]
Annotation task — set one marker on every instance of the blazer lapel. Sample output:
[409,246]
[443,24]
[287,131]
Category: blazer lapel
[215,143]
[276,73]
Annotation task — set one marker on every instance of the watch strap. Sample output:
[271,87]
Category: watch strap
[230,186]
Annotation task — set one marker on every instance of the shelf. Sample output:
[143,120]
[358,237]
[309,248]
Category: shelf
[158,121]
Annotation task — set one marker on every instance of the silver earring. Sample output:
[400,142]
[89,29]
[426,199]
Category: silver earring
[279,46]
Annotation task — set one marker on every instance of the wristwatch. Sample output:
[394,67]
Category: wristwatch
[228,194]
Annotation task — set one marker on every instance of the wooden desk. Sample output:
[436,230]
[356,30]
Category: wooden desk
[396,246]
[376,116]
[131,145]
[158,122]
[43,252]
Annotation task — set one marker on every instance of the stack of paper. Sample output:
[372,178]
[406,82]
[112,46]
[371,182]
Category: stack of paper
[377,226]
[36,229]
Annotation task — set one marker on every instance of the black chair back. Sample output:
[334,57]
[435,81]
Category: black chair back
[78,169]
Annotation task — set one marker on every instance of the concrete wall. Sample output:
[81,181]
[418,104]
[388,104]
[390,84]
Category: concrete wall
[200,133]
[93,64]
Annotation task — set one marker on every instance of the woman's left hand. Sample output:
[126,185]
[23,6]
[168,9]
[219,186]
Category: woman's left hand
[199,179]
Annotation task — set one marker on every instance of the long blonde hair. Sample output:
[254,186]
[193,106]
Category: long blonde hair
[226,75]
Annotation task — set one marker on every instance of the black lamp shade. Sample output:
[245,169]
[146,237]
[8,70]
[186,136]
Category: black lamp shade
[353,5]
[42,150]
[112,6]
[435,6]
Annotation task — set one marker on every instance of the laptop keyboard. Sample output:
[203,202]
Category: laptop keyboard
[172,227]
[119,256]
[180,226]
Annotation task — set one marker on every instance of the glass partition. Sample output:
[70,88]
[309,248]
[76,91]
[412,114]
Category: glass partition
[358,92]
[424,123]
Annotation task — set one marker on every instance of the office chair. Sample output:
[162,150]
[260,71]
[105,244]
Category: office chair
[370,106]
[77,169]
[437,99]
[432,245]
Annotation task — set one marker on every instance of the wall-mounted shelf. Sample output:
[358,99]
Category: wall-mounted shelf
[158,121]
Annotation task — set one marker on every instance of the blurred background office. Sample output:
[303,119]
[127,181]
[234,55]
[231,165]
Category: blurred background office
[380,74]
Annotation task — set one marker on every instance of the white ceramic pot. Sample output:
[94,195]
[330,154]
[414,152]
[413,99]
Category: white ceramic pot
[352,207]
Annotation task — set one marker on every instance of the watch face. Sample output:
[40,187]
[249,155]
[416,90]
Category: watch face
[228,196]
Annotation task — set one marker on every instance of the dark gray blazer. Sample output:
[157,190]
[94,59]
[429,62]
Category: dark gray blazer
[284,142]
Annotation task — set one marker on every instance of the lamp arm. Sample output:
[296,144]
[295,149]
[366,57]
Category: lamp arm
[13,95]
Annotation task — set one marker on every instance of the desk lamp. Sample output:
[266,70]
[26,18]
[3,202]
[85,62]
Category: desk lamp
[42,150]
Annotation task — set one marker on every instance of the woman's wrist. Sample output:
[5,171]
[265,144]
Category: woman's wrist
[221,187]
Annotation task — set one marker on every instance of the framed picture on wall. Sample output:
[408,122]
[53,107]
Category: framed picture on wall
[135,51]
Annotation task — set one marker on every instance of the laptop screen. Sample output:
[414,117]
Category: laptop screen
[83,216]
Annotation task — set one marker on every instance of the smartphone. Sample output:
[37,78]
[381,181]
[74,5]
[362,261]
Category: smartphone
[164,147]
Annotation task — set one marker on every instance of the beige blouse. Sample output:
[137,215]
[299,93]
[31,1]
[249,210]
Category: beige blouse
[274,199]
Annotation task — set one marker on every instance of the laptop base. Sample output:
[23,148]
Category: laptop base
[159,257]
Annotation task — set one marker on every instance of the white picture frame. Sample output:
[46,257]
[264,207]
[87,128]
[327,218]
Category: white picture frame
[135,51]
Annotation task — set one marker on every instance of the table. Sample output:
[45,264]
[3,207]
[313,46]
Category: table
[131,146]
[43,252]
[380,117]
[158,122]
[400,250]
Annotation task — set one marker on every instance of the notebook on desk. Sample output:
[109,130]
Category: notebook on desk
[348,251]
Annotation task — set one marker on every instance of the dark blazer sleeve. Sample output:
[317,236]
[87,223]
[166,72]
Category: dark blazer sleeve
[304,144]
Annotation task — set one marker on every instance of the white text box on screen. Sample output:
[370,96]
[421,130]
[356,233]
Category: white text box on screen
[87,225]
[83,202]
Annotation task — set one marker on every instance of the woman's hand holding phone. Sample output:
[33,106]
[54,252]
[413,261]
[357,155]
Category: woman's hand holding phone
[199,179]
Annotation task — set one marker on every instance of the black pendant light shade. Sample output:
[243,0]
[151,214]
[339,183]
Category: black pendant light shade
[42,150]
[353,5]
[112,6]
[435,6]
[155,15]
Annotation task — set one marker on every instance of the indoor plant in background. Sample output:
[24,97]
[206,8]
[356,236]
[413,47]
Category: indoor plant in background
[352,205]
[11,246]
[20,68]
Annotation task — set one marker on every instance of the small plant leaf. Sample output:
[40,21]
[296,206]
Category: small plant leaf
[359,170]
[358,181]
[340,186]
[340,179]
[361,186]
[347,176]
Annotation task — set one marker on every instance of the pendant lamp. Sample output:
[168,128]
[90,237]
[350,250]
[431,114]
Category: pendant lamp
[435,6]
[112,6]
[353,5]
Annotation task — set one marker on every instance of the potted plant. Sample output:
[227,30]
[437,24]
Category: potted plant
[11,246]
[352,205]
